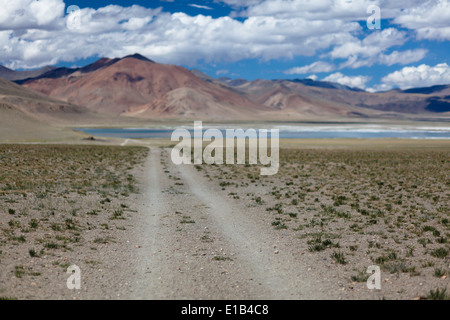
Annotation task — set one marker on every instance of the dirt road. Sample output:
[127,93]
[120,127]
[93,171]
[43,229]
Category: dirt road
[195,244]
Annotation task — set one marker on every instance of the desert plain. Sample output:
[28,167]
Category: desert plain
[140,227]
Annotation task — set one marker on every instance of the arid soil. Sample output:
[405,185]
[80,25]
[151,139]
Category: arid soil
[62,206]
[140,227]
[344,210]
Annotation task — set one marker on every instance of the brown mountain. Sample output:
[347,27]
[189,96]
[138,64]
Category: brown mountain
[137,86]
[36,105]
[293,100]
[316,98]
[14,75]
[28,115]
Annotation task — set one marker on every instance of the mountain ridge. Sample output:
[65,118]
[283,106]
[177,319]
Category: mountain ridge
[136,86]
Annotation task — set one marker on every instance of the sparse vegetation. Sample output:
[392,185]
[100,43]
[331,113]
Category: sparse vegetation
[389,205]
[438,294]
[222,258]
[338,257]
[52,195]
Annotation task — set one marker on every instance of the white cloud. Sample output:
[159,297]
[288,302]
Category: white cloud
[222,72]
[101,32]
[240,3]
[34,33]
[318,66]
[312,77]
[421,76]
[371,50]
[311,10]
[350,10]
[430,19]
[29,14]
[403,57]
[136,23]
[379,88]
[177,38]
[199,6]
[354,82]
[373,44]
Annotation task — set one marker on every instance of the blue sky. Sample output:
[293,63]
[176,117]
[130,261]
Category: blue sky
[214,8]
[271,39]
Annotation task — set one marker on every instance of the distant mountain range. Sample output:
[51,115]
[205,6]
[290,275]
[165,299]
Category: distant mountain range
[135,86]
[13,75]
[26,113]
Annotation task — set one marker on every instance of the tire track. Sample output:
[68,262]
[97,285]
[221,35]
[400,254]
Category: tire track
[279,271]
[174,263]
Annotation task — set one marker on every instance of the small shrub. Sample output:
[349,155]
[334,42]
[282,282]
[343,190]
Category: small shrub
[338,257]
[439,253]
[438,294]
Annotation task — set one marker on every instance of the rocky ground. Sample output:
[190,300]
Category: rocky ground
[140,227]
